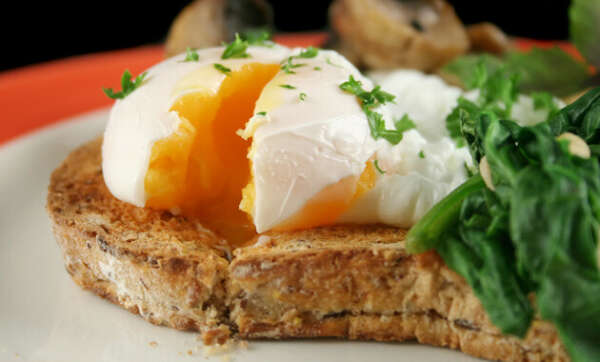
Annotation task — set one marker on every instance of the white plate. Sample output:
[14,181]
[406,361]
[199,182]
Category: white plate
[44,316]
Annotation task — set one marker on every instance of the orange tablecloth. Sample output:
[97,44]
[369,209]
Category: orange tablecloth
[40,95]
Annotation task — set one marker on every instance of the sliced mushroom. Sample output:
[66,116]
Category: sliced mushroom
[205,23]
[384,34]
[487,37]
[577,145]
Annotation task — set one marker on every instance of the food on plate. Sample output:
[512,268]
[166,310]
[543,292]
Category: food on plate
[538,67]
[386,34]
[266,192]
[196,136]
[206,23]
[355,282]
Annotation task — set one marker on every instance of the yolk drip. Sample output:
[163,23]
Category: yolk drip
[202,168]
[326,207]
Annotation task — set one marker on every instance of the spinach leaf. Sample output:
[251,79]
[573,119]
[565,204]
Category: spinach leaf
[537,232]
[427,233]
[583,26]
[497,93]
[537,70]
[483,254]
[581,117]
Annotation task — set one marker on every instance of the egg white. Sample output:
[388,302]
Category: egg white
[302,145]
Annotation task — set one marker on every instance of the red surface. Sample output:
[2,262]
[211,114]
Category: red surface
[40,95]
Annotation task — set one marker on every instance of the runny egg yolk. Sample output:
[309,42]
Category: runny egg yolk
[202,167]
[329,204]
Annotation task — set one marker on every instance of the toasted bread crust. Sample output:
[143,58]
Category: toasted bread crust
[354,282]
[167,268]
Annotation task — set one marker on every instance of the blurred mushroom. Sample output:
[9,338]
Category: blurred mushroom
[384,34]
[487,37]
[205,23]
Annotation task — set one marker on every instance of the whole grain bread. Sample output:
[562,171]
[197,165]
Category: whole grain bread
[354,282]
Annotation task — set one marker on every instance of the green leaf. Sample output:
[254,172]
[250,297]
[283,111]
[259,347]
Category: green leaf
[537,70]
[551,70]
[332,63]
[427,233]
[545,100]
[463,67]
[376,164]
[583,26]
[536,233]
[287,86]
[257,37]
[309,52]
[404,124]
[191,55]
[288,66]
[484,257]
[127,86]
[223,69]
[568,297]
[421,154]
[302,96]
[371,100]
[261,113]
[236,49]
[581,117]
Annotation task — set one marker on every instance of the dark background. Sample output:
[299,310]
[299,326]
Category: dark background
[34,32]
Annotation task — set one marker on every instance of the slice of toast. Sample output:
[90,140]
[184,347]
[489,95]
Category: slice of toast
[354,282]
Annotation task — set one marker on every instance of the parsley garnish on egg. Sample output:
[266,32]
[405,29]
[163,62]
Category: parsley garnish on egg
[127,86]
[332,63]
[257,37]
[236,49]
[376,164]
[310,52]
[302,96]
[287,86]
[223,69]
[191,55]
[317,68]
[261,114]
[421,154]
[371,100]
[288,66]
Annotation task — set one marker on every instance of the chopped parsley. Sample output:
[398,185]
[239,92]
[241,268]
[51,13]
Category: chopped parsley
[261,114]
[288,66]
[287,86]
[236,49]
[191,55]
[310,52]
[545,100]
[302,96]
[317,68]
[223,69]
[126,84]
[331,63]
[404,123]
[371,100]
[422,154]
[376,164]
[257,37]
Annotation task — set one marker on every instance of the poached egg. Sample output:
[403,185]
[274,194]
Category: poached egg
[263,147]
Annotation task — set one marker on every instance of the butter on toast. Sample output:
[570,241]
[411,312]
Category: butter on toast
[354,282]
